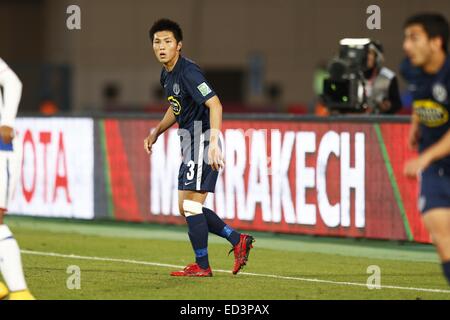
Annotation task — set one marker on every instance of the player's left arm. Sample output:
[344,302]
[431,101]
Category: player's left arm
[437,151]
[12,92]
[215,156]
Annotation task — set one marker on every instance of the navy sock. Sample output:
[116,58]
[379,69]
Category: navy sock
[198,234]
[220,228]
[446,268]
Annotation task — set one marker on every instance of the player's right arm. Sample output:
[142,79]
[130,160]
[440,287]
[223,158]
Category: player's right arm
[414,132]
[166,122]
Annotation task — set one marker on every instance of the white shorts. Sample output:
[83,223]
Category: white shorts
[9,172]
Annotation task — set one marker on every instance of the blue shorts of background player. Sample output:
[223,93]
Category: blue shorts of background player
[434,188]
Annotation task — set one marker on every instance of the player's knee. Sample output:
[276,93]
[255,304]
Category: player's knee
[442,242]
[5,232]
[443,248]
[441,239]
[192,208]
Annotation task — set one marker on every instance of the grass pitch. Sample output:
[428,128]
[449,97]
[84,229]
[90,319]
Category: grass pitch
[133,261]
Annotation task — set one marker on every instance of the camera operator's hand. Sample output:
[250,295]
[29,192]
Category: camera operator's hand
[385,105]
[369,109]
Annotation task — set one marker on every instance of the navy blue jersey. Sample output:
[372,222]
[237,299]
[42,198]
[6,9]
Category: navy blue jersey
[431,103]
[187,90]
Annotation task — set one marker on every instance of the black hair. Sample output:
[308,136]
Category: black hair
[166,25]
[434,24]
[378,45]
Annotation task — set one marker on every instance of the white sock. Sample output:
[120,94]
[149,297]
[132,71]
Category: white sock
[10,261]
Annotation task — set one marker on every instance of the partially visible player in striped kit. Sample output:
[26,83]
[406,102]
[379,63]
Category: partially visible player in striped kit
[10,260]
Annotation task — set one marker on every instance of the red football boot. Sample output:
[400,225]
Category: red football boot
[192,270]
[241,252]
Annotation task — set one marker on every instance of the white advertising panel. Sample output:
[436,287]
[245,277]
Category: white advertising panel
[55,168]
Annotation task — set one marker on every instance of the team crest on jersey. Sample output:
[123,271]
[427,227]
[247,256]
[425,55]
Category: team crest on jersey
[176,88]
[430,113]
[176,106]
[439,92]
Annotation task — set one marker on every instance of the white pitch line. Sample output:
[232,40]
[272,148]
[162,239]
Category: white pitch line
[147,263]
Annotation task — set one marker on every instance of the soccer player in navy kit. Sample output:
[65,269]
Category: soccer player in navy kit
[198,112]
[427,69]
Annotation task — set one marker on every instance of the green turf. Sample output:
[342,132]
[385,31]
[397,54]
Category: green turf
[333,259]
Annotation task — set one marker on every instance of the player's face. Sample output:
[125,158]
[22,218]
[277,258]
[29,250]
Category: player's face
[417,45]
[165,46]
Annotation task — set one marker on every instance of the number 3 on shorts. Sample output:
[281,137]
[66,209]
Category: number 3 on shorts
[191,166]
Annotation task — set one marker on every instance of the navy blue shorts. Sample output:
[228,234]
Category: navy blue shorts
[195,173]
[434,188]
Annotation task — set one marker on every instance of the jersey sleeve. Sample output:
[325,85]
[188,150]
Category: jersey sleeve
[3,65]
[448,85]
[162,78]
[448,93]
[12,92]
[196,85]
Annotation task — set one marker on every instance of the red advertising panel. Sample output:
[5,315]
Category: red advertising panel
[334,179]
